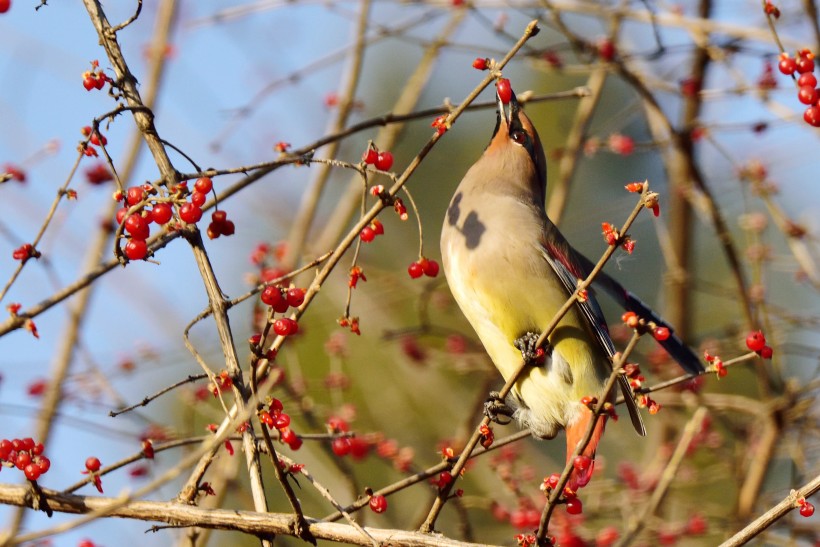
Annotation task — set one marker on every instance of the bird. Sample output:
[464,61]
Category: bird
[510,269]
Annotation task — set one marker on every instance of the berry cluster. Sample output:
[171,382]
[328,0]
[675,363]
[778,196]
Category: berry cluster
[423,266]
[92,139]
[636,380]
[807,93]
[613,237]
[220,225]
[717,364]
[26,455]
[280,300]
[345,444]
[276,418]
[382,161]
[756,342]
[95,78]
[369,233]
[137,224]
[574,505]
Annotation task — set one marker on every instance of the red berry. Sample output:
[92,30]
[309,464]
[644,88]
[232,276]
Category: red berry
[370,156]
[190,213]
[805,64]
[755,341]
[574,506]
[378,227]
[137,227]
[5,448]
[661,334]
[808,79]
[430,268]
[22,460]
[203,185]
[162,213]
[136,249]
[295,297]
[340,446]
[606,49]
[285,326]
[228,228]
[92,464]
[219,217]
[766,352]
[33,472]
[148,449]
[415,270]
[198,198]
[281,421]
[806,510]
[481,64]
[378,504]
[812,116]
[296,443]
[807,94]
[44,464]
[504,90]
[89,83]
[582,463]
[121,214]
[27,443]
[367,234]
[271,295]
[5,5]
[276,406]
[787,65]
[214,230]
[384,162]
[134,195]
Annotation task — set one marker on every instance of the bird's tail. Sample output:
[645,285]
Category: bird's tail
[679,351]
[575,434]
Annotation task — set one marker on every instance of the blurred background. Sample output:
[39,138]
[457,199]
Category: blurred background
[233,79]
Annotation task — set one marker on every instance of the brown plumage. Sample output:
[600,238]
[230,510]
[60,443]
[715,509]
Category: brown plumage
[510,270]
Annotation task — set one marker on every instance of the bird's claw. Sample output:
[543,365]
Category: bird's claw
[495,407]
[527,344]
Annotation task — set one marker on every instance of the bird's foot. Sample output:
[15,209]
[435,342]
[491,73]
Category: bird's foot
[495,408]
[527,344]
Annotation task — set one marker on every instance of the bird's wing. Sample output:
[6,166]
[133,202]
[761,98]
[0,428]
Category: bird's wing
[569,272]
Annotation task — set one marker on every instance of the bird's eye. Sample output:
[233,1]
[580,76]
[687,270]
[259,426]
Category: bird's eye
[518,136]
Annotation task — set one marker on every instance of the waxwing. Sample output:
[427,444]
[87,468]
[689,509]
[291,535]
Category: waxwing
[510,269]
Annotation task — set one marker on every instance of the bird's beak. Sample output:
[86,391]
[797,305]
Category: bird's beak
[508,111]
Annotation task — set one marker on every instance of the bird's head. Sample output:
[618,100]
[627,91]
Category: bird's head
[516,141]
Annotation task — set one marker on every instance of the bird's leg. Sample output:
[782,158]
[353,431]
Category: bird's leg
[527,344]
[495,407]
